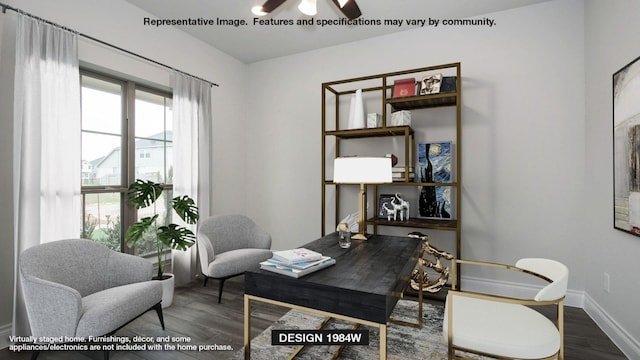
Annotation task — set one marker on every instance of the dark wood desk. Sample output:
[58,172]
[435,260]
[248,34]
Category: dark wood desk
[363,286]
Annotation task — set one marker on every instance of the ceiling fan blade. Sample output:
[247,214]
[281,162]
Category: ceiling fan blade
[271,5]
[350,9]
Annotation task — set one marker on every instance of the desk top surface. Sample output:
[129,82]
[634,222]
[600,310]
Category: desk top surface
[369,274]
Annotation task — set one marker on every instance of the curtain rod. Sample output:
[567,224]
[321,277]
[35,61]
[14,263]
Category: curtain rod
[6,7]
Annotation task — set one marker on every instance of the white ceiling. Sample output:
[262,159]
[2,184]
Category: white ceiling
[251,43]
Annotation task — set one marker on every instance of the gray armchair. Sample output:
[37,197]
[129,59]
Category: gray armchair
[229,245]
[78,288]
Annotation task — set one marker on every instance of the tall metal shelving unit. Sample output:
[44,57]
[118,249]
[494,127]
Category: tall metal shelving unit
[335,96]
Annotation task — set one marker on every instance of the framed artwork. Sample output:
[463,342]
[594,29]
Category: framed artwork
[434,202]
[626,148]
[434,162]
[384,203]
[434,166]
[430,84]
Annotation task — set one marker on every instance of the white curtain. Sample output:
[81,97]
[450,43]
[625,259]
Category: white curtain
[46,142]
[191,150]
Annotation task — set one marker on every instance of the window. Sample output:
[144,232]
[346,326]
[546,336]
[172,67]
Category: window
[126,135]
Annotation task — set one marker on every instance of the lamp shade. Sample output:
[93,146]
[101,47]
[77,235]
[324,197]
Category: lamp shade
[362,170]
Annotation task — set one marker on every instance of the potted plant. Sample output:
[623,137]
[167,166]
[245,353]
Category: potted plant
[144,193]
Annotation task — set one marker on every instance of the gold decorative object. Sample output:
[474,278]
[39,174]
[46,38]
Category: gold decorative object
[432,286]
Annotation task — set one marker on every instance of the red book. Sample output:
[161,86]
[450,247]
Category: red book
[404,87]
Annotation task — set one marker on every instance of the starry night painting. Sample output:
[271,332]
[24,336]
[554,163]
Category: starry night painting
[434,166]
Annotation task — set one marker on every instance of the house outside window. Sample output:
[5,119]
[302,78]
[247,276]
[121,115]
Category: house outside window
[126,135]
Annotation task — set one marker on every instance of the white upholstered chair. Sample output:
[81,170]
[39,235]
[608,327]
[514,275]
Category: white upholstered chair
[505,327]
[229,245]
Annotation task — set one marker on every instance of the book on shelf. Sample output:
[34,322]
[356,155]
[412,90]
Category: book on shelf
[399,176]
[294,272]
[397,173]
[300,265]
[400,169]
[288,257]
[404,87]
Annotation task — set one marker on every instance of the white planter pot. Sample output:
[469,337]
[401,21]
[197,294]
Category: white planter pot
[167,290]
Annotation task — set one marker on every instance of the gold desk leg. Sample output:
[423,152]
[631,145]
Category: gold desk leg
[297,350]
[419,323]
[383,342]
[247,328]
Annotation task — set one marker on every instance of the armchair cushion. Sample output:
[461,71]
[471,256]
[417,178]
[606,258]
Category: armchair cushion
[237,261]
[122,303]
[509,330]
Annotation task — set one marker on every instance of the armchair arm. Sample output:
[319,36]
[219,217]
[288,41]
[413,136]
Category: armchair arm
[53,309]
[123,269]
[500,298]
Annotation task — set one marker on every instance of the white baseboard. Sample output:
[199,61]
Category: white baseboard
[5,332]
[627,344]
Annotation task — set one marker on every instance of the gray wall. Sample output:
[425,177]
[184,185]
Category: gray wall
[612,37]
[522,135]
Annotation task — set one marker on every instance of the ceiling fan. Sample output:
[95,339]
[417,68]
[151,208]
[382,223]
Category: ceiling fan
[348,7]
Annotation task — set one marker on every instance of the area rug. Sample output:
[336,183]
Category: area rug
[403,342]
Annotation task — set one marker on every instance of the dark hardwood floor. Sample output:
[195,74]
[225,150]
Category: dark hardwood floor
[196,314]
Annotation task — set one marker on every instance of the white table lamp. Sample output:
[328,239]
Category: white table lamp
[362,171]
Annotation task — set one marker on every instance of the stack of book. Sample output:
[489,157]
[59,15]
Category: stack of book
[397,173]
[297,262]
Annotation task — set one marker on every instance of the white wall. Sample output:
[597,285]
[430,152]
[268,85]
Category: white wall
[523,130]
[612,41]
[120,23]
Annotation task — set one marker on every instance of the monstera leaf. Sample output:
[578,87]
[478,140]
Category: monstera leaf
[186,208]
[176,237]
[144,193]
[136,231]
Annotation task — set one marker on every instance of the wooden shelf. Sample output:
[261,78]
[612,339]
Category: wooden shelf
[424,101]
[436,224]
[400,183]
[412,183]
[373,132]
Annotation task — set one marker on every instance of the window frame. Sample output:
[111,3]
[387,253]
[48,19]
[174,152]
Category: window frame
[128,214]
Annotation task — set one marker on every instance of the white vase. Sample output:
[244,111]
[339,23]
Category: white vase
[167,290]
[356,112]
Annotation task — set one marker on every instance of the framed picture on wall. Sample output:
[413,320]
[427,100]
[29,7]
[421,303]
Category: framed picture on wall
[626,148]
